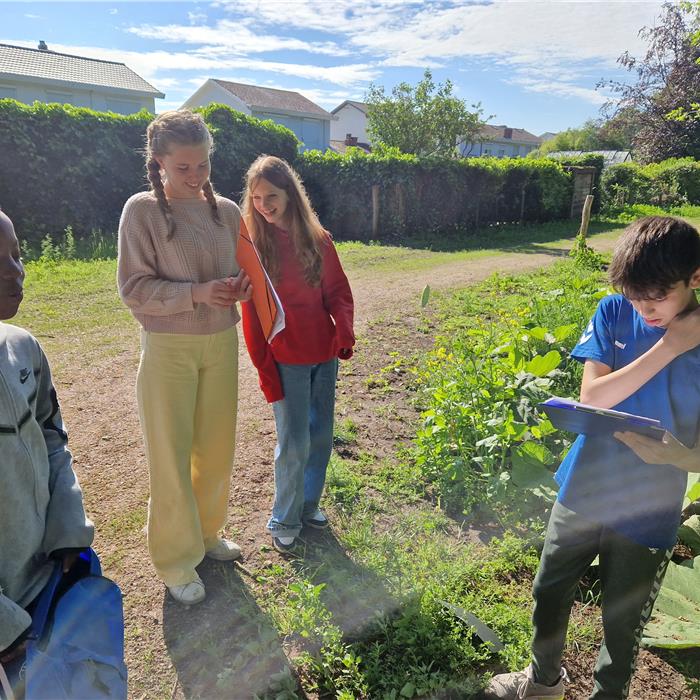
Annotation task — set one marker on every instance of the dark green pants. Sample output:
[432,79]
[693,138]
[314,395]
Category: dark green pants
[630,578]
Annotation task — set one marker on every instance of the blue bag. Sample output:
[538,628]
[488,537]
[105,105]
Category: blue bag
[76,648]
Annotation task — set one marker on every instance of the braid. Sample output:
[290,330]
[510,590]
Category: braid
[211,198]
[154,178]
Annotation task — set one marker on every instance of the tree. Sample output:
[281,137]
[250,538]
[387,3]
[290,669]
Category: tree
[666,88]
[424,120]
[594,135]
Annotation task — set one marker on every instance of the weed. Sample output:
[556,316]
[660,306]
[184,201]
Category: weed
[345,432]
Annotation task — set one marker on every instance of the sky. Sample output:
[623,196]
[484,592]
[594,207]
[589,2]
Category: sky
[530,64]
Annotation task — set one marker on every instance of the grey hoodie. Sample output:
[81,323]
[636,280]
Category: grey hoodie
[41,505]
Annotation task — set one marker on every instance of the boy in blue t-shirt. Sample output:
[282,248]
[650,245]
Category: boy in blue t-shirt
[621,496]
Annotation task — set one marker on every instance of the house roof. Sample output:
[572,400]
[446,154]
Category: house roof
[362,106]
[492,133]
[273,99]
[20,62]
[341,146]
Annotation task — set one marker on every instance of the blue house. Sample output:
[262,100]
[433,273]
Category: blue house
[310,123]
[500,142]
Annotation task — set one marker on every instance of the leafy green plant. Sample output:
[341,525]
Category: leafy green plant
[675,622]
[482,432]
[584,256]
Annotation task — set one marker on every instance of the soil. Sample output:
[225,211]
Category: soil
[175,652]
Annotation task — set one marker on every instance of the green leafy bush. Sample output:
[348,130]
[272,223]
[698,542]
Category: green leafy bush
[70,166]
[505,349]
[670,183]
[430,194]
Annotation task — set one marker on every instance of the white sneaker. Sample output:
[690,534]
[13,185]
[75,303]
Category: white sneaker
[189,593]
[224,550]
[521,686]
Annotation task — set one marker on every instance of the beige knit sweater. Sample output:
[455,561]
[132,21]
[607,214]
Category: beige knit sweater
[155,275]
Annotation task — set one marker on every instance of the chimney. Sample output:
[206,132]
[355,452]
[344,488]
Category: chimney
[350,140]
[42,46]
[507,133]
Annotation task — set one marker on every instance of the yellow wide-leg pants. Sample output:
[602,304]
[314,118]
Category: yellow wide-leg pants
[187,391]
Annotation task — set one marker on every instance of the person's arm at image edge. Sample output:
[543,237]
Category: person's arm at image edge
[605,388]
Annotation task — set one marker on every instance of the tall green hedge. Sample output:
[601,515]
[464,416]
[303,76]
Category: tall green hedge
[429,194]
[65,165]
[669,183]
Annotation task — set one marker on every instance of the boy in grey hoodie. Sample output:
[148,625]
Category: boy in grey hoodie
[42,518]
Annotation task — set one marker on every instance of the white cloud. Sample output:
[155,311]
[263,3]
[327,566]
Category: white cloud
[30,16]
[564,45]
[151,63]
[531,33]
[561,89]
[236,37]
[196,17]
[113,11]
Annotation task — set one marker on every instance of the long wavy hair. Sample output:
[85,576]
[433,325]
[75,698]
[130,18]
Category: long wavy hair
[307,234]
[169,129]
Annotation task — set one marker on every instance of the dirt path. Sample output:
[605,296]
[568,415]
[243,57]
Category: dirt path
[100,408]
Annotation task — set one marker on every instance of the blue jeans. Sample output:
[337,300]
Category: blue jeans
[304,421]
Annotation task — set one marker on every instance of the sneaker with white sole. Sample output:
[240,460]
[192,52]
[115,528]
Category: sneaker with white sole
[224,550]
[317,520]
[189,593]
[286,545]
[520,685]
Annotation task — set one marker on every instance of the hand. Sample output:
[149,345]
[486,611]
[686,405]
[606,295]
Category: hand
[683,333]
[68,561]
[6,657]
[668,450]
[216,293]
[345,353]
[240,286]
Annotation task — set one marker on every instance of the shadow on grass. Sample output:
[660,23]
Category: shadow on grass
[400,644]
[355,596]
[226,646]
[507,238]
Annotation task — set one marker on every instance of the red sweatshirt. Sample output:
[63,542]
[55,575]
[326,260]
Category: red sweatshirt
[318,320]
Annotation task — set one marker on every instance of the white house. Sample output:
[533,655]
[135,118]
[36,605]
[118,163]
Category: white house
[309,122]
[501,142]
[350,122]
[30,75]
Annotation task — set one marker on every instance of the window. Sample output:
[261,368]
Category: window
[122,106]
[501,152]
[8,92]
[60,97]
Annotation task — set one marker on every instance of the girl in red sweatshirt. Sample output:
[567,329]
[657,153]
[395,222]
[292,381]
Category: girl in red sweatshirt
[298,368]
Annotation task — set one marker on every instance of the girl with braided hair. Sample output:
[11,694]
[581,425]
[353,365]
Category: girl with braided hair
[178,275]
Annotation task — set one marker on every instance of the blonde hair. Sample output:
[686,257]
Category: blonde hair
[307,234]
[176,128]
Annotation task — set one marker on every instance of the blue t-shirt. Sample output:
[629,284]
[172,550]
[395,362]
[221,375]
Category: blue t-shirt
[600,477]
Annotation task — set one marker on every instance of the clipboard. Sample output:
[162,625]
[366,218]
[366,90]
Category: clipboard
[267,304]
[576,417]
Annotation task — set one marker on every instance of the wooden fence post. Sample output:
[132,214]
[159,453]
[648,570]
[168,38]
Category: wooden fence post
[375,211]
[401,204]
[585,216]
